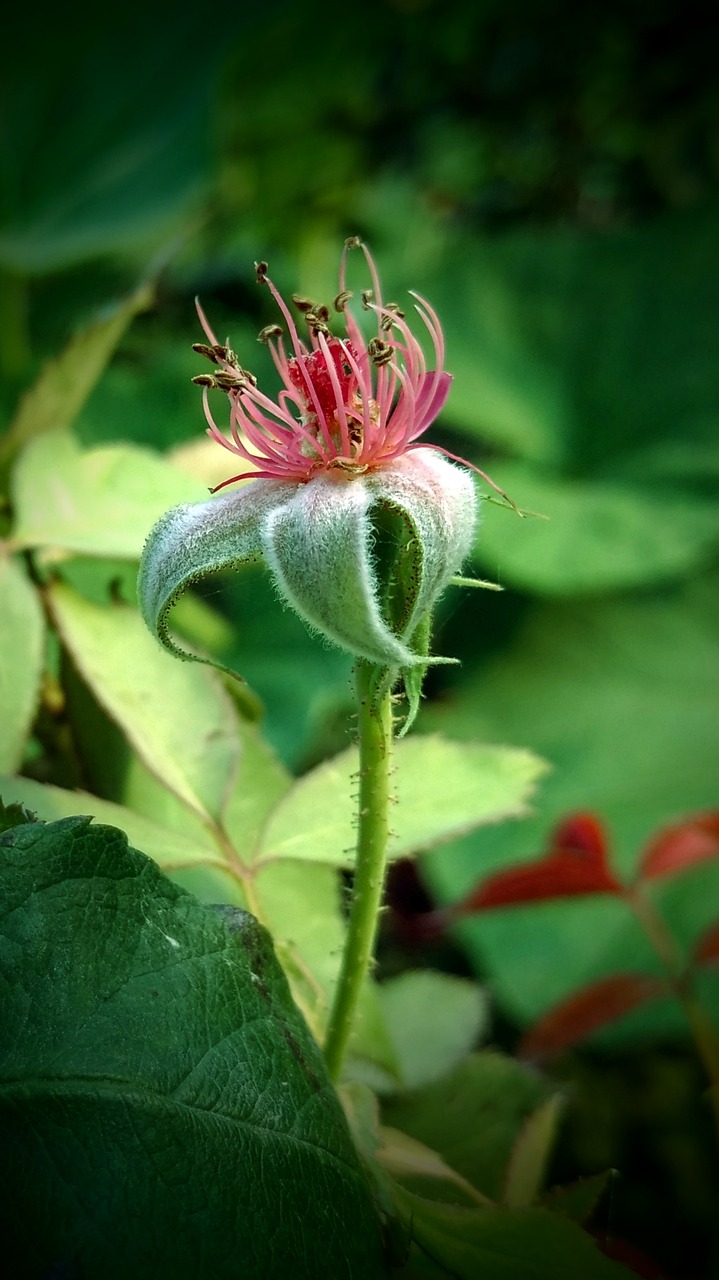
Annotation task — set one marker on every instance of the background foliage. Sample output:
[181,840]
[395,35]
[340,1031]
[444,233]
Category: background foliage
[548,176]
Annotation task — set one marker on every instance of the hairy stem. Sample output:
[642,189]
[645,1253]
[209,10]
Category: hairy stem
[375,745]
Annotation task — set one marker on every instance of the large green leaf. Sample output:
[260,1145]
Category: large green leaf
[165,1111]
[442,788]
[98,502]
[22,633]
[176,716]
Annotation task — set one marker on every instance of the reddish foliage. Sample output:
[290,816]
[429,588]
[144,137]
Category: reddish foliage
[706,947]
[681,846]
[635,1259]
[589,1009]
[576,864]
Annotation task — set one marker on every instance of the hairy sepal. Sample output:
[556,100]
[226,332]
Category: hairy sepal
[361,559]
[364,559]
[195,540]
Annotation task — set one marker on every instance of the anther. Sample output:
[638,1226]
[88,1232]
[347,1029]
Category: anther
[235,381]
[204,380]
[388,320]
[353,242]
[209,353]
[367,298]
[303,304]
[270,331]
[342,299]
[379,352]
[261,269]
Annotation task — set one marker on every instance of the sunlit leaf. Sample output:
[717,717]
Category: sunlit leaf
[96,502]
[442,790]
[169,848]
[176,716]
[22,635]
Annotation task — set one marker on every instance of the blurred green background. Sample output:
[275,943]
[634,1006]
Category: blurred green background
[548,176]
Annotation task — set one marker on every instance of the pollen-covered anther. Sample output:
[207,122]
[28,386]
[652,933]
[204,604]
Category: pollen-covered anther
[367,298]
[204,380]
[239,381]
[379,352]
[303,304]
[340,302]
[225,355]
[270,331]
[317,319]
[391,314]
[261,269]
[210,353]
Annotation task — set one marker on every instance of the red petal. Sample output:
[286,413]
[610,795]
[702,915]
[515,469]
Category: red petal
[682,846]
[589,1009]
[575,865]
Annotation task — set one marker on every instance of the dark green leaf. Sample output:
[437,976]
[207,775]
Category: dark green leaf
[165,1112]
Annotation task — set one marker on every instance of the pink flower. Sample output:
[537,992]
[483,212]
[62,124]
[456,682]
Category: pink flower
[347,405]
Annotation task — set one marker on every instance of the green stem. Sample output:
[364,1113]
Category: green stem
[375,746]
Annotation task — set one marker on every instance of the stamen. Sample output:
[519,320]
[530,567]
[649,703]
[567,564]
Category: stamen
[270,331]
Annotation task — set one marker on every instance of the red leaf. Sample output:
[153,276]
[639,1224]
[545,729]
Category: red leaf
[681,846]
[576,864]
[587,1010]
[706,947]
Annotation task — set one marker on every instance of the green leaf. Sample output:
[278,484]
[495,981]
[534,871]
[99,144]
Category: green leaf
[170,848]
[131,166]
[13,815]
[442,788]
[591,357]
[177,717]
[98,502]
[64,384]
[165,1110]
[504,1244]
[528,1164]
[193,541]
[433,1020]
[497,1092]
[600,535]
[22,643]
